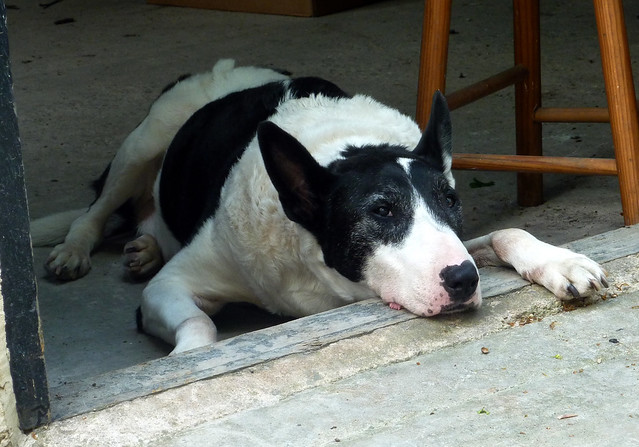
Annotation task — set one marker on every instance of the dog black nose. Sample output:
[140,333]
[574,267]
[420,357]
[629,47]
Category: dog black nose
[460,281]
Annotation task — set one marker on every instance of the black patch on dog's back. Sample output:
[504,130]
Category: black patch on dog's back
[209,144]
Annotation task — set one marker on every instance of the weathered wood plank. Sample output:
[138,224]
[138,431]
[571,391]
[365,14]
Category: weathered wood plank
[296,336]
[607,246]
[228,355]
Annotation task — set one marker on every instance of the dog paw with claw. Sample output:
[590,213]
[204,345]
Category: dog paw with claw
[142,257]
[567,274]
[68,263]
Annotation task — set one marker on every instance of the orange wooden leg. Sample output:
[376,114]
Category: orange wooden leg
[433,56]
[528,97]
[615,60]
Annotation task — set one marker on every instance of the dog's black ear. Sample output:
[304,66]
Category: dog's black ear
[436,142]
[300,181]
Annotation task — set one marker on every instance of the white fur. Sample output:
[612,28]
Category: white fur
[326,126]
[251,252]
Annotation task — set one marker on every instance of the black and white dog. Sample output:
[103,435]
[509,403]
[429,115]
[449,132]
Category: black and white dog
[297,197]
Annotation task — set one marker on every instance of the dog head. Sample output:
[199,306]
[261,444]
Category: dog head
[384,215]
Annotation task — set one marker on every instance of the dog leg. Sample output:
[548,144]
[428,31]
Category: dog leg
[71,259]
[565,273]
[142,257]
[131,176]
[170,311]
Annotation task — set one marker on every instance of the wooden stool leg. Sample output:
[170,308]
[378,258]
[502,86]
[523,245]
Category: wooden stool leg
[528,96]
[622,106]
[433,56]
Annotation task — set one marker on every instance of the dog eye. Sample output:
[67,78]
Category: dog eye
[451,199]
[383,211]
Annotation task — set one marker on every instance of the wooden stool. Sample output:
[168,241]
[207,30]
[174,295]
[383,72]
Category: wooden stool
[526,75]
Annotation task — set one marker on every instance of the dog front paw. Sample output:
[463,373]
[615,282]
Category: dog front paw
[68,263]
[567,274]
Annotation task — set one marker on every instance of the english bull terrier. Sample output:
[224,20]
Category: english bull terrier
[250,186]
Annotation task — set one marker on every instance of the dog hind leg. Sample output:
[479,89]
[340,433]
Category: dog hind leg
[131,176]
[71,259]
[138,160]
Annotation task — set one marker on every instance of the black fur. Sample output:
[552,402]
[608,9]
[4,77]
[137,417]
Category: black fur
[442,200]
[138,320]
[437,138]
[358,202]
[209,144]
[372,203]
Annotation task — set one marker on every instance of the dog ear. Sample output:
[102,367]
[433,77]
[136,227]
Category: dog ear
[436,142]
[300,181]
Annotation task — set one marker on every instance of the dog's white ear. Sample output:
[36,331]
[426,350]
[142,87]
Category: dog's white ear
[300,181]
[436,142]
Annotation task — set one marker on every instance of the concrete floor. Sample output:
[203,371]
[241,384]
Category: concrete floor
[81,86]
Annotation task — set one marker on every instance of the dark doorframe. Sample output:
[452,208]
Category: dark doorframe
[18,285]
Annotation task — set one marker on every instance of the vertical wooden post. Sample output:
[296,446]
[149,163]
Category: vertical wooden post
[433,56]
[622,106]
[17,277]
[528,96]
